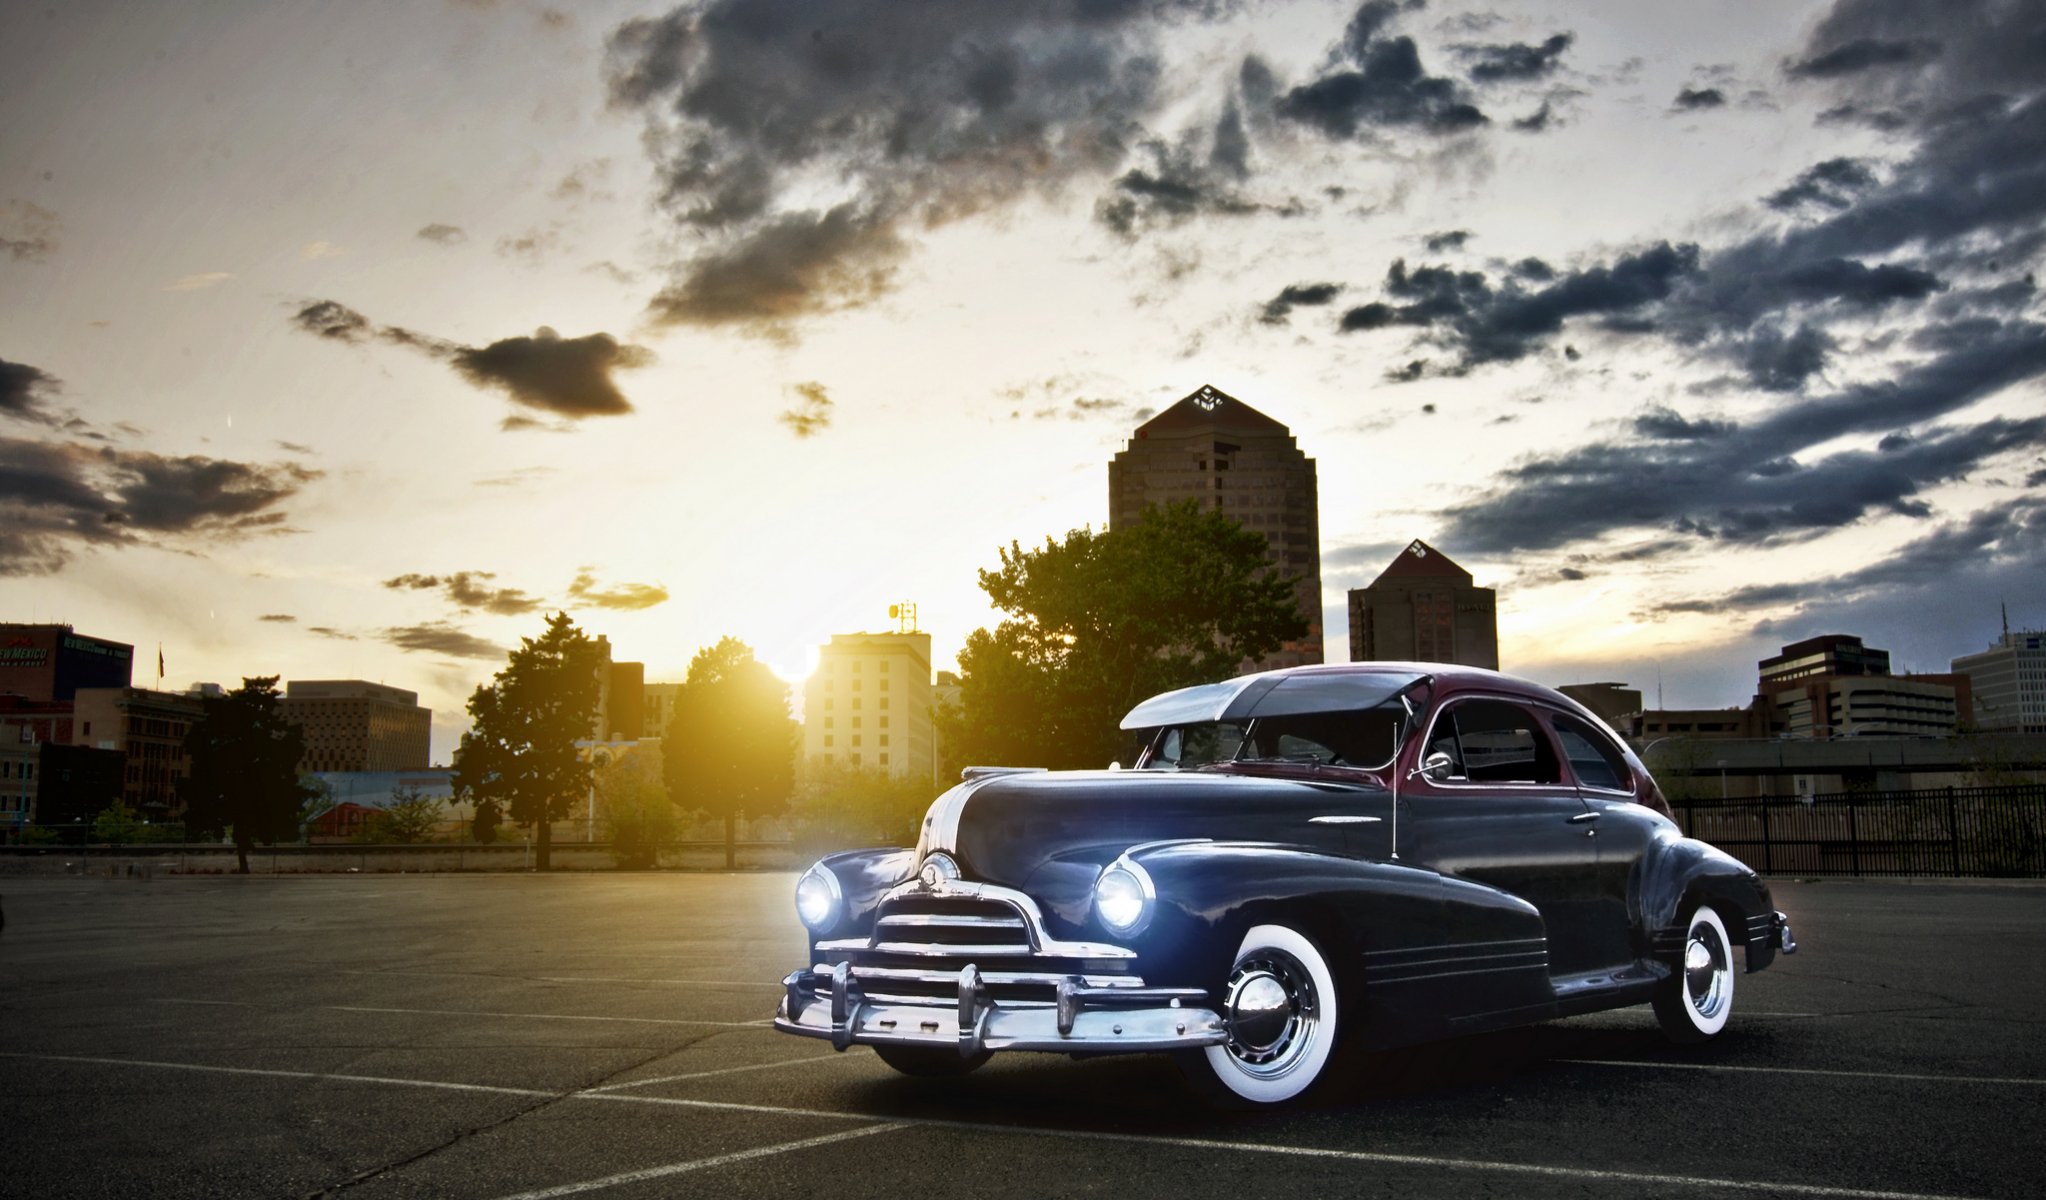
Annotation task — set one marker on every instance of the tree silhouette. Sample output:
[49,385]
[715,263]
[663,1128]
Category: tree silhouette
[520,752]
[1104,620]
[731,744]
[244,769]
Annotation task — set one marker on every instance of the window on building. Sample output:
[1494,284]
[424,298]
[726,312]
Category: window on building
[856,685]
[884,722]
[856,703]
[884,666]
[884,760]
[827,739]
[856,739]
[856,722]
[884,739]
[884,685]
[827,722]
[884,704]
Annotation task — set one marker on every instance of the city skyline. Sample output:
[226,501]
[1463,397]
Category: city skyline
[347,342]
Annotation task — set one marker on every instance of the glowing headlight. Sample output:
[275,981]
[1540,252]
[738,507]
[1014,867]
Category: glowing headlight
[818,898]
[1122,898]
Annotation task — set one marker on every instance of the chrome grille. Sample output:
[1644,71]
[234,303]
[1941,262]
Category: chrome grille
[920,941]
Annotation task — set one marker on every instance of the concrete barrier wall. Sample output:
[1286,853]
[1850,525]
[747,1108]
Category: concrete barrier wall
[292,860]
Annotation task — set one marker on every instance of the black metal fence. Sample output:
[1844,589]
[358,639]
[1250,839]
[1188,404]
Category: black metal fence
[1988,831]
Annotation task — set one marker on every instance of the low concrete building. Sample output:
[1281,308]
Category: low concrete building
[149,729]
[355,725]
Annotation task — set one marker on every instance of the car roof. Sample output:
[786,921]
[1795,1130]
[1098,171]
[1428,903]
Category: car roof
[1323,688]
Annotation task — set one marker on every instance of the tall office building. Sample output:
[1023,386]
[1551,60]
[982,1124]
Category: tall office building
[49,663]
[353,725]
[868,703]
[1425,608]
[2009,682]
[1216,449]
[1832,686]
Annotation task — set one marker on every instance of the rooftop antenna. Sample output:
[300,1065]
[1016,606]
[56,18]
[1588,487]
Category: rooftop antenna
[904,616]
[2004,607]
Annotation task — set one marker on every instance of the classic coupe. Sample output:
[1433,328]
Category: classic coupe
[1304,865]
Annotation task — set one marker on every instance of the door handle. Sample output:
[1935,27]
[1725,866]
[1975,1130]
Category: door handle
[1583,818]
[1342,820]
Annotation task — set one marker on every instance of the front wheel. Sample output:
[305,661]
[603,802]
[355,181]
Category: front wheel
[1279,1005]
[1695,1001]
[930,1062]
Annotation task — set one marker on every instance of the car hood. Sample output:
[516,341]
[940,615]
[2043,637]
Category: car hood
[1050,833]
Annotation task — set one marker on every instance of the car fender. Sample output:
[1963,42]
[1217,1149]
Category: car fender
[864,877]
[1679,873]
[1429,952]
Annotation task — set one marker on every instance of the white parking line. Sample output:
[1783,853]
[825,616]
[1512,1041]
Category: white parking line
[2003,1080]
[1135,1139]
[756,984]
[699,1164]
[763,1023]
[806,1060]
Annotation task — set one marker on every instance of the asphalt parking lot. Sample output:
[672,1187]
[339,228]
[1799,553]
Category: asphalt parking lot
[495,1036]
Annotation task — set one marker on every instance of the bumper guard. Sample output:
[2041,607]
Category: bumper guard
[1083,1019]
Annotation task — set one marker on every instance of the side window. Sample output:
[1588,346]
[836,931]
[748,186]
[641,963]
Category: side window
[1594,758]
[1491,741]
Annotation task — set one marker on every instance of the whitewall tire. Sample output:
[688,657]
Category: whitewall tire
[1279,1003]
[1693,1004]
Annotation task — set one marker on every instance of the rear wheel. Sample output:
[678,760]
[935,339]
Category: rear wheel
[930,1062]
[1694,1003]
[1279,1005]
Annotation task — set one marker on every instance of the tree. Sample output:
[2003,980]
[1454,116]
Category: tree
[520,752]
[731,744]
[116,824]
[1104,620]
[243,776]
[411,816]
[838,806]
[633,797]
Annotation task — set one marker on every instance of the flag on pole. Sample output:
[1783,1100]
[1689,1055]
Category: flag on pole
[159,664]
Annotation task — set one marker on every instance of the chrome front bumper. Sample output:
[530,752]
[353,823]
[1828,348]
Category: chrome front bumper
[1084,1019]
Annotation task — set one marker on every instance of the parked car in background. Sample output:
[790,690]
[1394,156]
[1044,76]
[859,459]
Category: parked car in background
[1304,864]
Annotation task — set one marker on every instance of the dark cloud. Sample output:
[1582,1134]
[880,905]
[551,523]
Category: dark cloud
[441,638]
[1571,574]
[1298,295]
[445,235]
[1692,99]
[1666,424]
[624,597]
[1452,239]
[1408,373]
[811,414]
[1537,121]
[1830,184]
[1377,82]
[28,232]
[58,496]
[925,114]
[328,631]
[470,590]
[25,392]
[1780,362]
[279,618]
[1178,183]
[1862,54]
[1515,60]
[294,447]
[569,377]
[1489,323]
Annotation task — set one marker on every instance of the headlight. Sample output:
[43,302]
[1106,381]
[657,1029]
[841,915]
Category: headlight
[818,898]
[1123,898]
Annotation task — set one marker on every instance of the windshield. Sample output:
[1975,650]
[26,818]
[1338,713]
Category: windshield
[1355,738]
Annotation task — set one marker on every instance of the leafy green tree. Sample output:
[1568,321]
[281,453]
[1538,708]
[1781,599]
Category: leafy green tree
[244,769]
[731,744]
[1103,620]
[632,795]
[412,816]
[116,824]
[838,806]
[520,750]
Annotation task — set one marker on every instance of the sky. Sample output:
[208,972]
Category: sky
[350,340]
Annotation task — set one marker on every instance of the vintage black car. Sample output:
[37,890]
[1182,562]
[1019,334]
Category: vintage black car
[1305,864]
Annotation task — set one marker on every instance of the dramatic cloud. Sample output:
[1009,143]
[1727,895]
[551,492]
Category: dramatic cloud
[564,377]
[1831,184]
[569,377]
[1299,295]
[28,232]
[1489,322]
[1516,60]
[1862,54]
[1452,239]
[626,597]
[1181,182]
[1379,83]
[1692,99]
[811,415]
[470,590]
[445,235]
[918,115]
[56,497]
[441,638]
[24,393]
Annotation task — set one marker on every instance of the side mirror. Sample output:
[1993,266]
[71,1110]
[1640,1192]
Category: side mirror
[1437,767]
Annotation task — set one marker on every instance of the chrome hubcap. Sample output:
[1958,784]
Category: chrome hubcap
[1274,1013]
[1706,971]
